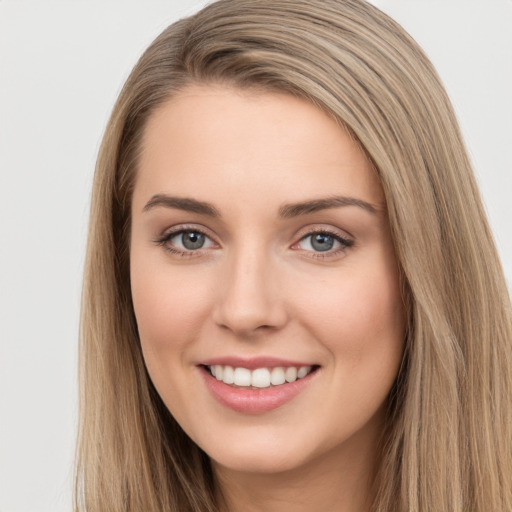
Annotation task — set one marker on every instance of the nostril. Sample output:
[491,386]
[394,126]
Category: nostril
[249,300]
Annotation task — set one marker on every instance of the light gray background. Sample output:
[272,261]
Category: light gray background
[62,64]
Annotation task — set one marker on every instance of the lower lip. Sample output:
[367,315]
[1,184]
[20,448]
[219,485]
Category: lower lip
[255,401]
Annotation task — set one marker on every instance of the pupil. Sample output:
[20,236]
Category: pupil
[192,240]
[322,242]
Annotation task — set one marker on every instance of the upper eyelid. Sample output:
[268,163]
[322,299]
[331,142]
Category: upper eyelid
[165,237]
[181,228]
[337,236]
[345,242]
[172,231]
[168,234]
[336,232]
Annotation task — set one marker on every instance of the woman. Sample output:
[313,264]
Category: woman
[292,298]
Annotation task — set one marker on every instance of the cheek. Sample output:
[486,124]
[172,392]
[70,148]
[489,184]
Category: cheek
[169,305]
[360,319]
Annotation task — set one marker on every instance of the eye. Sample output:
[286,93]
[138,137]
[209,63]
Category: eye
[185,242]
[190,240]
[318,242]
[323,242]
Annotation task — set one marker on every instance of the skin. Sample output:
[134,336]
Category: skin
[259,288]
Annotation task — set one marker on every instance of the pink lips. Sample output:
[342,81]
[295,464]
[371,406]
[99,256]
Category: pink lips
[253,401]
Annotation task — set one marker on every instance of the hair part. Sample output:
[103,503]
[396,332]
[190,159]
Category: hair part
[447,444]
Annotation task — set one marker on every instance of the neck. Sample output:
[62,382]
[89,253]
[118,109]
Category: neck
[341,480]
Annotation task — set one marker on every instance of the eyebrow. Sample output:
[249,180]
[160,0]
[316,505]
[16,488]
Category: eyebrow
[294,210]
[286,211]
[182,203]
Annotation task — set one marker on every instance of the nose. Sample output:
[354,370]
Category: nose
[250,298]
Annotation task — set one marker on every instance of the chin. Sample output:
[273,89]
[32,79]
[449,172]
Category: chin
[257,462]
[265,451]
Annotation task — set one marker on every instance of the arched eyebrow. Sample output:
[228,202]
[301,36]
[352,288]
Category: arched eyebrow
[181,203]
[286,211]
[294,210]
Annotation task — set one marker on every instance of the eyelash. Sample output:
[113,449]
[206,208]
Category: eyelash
[345,243]
[163,241]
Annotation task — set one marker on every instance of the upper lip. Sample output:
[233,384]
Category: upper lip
[253,363]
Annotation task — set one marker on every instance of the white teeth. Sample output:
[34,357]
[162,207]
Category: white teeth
[259,378]
[242,377]
[290,374]
[277,376]
[229,375]
[303,371]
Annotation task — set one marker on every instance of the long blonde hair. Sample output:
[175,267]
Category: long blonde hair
[448,442]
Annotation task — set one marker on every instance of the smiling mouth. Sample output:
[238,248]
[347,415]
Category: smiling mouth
[259,378]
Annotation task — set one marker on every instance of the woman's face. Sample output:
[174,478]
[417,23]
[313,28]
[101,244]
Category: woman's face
[261,252]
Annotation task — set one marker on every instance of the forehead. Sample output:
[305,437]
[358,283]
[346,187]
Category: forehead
[214,140]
